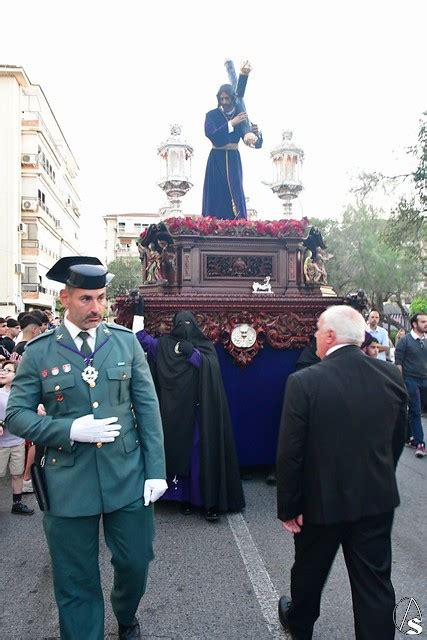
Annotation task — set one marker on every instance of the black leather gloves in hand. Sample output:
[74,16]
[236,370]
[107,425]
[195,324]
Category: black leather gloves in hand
[186,348]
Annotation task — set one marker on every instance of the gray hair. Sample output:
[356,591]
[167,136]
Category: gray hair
[347,324]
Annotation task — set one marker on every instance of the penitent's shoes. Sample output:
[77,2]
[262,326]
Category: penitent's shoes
[271,478]
[284,604]
[130,631]
[212,515]
[186,509]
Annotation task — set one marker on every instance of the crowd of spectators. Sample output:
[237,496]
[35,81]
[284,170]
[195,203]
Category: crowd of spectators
[16,454]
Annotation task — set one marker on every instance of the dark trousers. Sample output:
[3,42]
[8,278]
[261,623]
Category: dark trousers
[74,547]
[415,388]
[367,551]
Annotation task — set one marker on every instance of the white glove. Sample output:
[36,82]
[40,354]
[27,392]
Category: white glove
[153,490]
[90,429]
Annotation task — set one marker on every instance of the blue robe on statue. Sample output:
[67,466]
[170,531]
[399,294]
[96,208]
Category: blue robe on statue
[223,195]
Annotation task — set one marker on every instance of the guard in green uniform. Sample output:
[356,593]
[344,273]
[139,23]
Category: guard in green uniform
[104,455]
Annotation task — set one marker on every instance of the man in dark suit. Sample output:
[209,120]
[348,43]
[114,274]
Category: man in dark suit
[342,432]
[104,451]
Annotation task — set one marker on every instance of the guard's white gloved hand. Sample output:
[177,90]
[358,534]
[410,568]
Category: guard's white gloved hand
[153,490]
[91,429]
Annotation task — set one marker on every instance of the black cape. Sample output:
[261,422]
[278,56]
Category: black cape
[308,355]
[187,393]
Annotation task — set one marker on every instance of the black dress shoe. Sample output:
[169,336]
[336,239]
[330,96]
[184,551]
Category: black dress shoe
[284,604]
[186,509]
[212,515]
[130,631]
[271,478]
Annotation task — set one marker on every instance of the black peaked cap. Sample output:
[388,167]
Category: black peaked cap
[81,272]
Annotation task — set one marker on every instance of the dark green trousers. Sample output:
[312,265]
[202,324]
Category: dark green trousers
[74,549]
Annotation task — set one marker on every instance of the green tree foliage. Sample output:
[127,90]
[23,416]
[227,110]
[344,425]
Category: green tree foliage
[420,175]
[418,305]
[384,255]
[127,276]
[407,228]
[363,259]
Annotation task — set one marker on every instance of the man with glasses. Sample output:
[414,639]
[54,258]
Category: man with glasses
[411,358]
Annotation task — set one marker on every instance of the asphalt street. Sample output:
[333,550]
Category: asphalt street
[210,580]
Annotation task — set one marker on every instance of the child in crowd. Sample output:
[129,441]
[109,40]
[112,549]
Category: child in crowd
[370,346]
[12,448]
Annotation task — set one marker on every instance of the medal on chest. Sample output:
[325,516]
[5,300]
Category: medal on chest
[89,375]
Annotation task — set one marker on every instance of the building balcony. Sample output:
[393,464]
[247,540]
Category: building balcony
[29,244]
[33,121]
[33,287]
[36,293]
[30,249]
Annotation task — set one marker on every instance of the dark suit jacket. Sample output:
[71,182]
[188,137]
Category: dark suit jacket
[342,431]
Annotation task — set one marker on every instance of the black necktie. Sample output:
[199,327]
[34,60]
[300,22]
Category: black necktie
[85,348]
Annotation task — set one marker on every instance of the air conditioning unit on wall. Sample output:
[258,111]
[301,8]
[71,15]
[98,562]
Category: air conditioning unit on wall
[29,159]
[19,269]
[29,204]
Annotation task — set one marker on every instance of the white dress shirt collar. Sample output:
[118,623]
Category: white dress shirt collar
[336,347]
[74,330]
[416,336]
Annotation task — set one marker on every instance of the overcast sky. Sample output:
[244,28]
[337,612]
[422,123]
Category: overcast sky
[347,77]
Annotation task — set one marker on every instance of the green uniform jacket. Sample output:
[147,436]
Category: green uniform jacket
[85,479]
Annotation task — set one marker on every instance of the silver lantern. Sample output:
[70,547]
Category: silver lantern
[175,169]
[287,164]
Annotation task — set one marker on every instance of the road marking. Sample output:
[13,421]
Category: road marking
[263,587]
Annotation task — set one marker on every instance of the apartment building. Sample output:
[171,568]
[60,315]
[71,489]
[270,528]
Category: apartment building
[122,231]
[39,202]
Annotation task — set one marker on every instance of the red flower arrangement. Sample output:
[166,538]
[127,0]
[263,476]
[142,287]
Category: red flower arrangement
[199,226]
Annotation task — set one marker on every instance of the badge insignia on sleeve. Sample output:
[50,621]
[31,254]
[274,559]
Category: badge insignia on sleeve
[54,371]
[66,368]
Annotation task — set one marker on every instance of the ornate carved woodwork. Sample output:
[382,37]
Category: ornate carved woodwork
[214,280]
